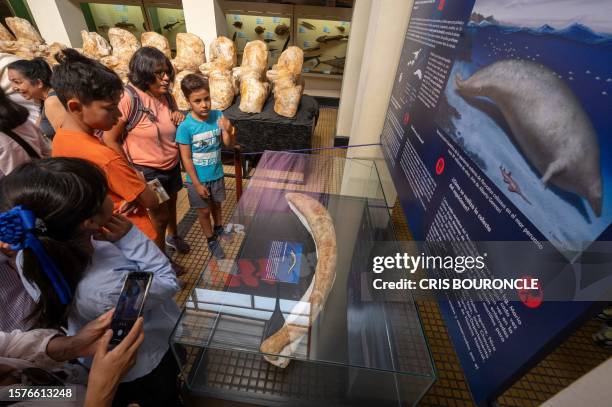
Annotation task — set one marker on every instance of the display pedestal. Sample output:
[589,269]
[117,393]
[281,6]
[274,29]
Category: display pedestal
[269,131]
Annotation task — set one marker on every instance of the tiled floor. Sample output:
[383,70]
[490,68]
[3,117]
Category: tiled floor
[574,357]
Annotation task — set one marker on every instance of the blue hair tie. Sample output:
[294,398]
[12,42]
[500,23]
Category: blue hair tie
[17,228]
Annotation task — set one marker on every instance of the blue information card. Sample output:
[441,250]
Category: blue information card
[284,261]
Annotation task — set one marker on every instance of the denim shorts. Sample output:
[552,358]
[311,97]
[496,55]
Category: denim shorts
[216,189]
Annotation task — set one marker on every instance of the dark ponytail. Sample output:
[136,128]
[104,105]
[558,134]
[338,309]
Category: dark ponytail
[63,193]
[34,70]
[11,114]
[85,79]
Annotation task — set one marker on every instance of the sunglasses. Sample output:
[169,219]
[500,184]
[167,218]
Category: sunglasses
[161,74]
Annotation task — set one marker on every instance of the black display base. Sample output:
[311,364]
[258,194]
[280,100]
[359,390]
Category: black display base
[341,141]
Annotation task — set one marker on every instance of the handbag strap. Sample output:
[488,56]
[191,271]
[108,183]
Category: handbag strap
[28,148]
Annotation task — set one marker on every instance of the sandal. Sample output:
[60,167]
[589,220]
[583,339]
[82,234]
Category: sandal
[606,314]
[177,268]
[603,338]
[177,244]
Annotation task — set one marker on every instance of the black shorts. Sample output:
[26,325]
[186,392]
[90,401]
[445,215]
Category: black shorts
[170,179]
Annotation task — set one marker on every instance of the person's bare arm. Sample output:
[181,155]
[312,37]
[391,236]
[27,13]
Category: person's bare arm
[55,111]
[109,367]
[112,138]
[228,132]
[148,199]
[83,343]
[185,150]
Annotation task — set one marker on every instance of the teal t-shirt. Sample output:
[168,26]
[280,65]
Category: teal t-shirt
[205,141]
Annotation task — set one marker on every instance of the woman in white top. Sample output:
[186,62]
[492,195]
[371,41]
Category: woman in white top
[20,140]
[7,87]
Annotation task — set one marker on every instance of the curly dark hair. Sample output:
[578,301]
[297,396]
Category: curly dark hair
[77,76]
[34,70]
[63,193]
[193,82]
[145,63]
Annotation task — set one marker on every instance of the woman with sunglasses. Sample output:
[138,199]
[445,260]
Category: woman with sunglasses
[145,135]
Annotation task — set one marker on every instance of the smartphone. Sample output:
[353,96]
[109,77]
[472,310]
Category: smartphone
[130,304]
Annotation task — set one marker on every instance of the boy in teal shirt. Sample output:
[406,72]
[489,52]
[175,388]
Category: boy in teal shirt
[199,138]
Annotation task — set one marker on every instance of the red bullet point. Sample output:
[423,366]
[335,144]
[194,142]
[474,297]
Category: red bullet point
[531,298]
[440,166]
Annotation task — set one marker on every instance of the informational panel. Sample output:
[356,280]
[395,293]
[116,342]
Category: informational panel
[499,129]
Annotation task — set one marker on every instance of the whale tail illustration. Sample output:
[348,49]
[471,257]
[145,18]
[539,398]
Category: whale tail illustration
[594,196]
[459,82]
[466,87]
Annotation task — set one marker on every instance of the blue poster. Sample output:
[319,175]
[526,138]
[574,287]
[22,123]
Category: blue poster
[505,104]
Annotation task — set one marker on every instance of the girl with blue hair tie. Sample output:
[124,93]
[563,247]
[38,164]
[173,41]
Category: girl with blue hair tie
[74,255]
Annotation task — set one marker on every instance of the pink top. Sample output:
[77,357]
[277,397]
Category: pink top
[144,144]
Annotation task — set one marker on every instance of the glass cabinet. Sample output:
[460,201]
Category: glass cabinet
[322,32]
[101,17]
[168,22]
[165,17]
[362,348]
[275,31]
[324,44]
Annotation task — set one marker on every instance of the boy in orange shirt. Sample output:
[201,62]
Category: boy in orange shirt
[91,92]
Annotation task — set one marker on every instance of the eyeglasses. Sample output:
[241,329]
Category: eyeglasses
[161,73]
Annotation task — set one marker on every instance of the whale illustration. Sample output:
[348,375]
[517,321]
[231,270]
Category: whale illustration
[547,121]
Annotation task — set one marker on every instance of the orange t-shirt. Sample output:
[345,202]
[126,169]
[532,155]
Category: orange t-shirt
[123,183]
[143,143]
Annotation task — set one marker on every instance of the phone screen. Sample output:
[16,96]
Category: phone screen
[130,304]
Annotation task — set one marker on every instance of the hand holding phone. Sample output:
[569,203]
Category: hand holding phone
[130,304]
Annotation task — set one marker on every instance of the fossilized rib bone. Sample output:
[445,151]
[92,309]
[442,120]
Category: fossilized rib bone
[319,224]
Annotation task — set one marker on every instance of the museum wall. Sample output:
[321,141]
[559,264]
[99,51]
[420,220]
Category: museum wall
[59,20]
[364,118]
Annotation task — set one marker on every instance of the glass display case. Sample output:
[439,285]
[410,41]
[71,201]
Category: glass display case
[324,43]
[322,32]
[168,22]
[363,347]
[275,31]
[271,23]
[104,16]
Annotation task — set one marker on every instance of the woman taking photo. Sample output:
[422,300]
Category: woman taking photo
[74,254]
[145,135]
[32,80]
